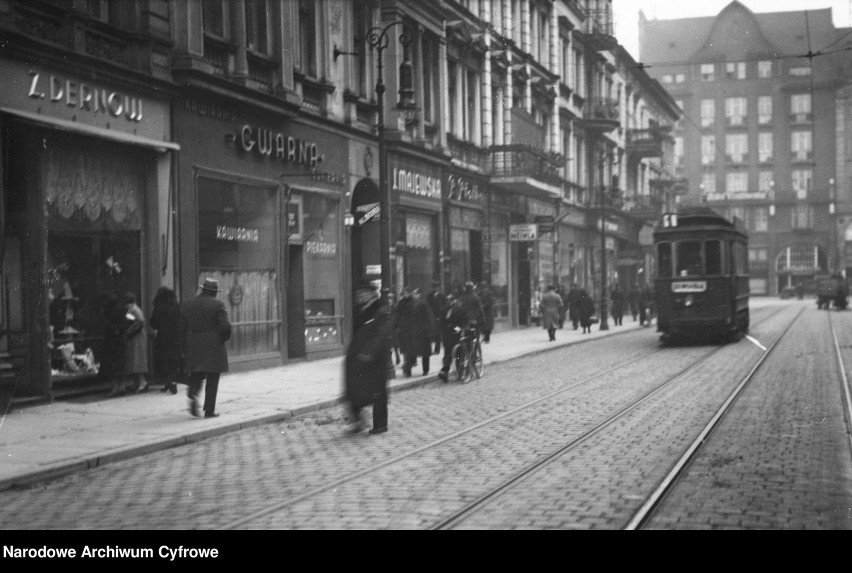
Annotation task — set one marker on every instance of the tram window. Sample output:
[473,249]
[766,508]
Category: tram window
[689,258]
[713,257]
[664,258]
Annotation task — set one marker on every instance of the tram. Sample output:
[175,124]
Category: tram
[702,282]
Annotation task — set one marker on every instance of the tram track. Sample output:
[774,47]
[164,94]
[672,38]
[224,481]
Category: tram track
[332,485]
[844,382]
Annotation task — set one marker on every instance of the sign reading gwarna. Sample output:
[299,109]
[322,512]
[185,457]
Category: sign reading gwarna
[689,286]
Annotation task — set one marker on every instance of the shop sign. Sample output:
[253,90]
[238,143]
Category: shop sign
[413,183]
[465,219]
[238,234]
[523,232]
[373,270]
[321,248]
[288,149]
[84,96]
[369,212]
[463,189]
[535,207]
[609,226]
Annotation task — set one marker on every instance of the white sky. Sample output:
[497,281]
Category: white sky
[626,13]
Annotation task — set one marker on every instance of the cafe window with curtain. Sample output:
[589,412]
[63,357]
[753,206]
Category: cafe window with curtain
[238,245]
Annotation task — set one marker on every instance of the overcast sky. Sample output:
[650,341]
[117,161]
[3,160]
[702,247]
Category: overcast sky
[626,13]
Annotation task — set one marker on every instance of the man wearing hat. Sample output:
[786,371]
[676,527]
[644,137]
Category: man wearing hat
[208,329]
[437,301]
[367,359]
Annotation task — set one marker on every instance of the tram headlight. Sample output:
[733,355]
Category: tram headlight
[689,300]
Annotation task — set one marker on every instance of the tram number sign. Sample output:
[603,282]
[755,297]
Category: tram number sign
[670,220]
[689,286]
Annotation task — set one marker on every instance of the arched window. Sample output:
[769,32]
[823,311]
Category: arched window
[802,258]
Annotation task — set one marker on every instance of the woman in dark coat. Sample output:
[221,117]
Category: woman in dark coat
[418,319]
[112,367]
[367,360]
[585,310]
[168,324]
[617,297]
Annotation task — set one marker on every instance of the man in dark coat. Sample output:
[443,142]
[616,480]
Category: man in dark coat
[617,298]
[453,320]
[418,319]
[550,306]
[367,359]
[437,301]
[573,303]
[486,297]
[585,311]
[472,305]
[401,325]
[207,330]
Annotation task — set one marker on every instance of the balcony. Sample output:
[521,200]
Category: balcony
[526,170]
[599,30]
[466,153]
[643,143]
[601,115]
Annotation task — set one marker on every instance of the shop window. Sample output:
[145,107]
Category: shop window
[322,270]
[419,251]
[238,245]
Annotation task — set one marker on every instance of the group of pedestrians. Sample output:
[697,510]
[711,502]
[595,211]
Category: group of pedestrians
[189,344]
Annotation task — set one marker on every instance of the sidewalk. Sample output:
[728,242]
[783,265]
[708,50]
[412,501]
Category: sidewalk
[47,441]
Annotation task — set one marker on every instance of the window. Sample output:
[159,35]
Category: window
[764,147]
[764,181]
[430,77]
[708,72]
[801,145]
[735,70]
[802,181]
[678,150]
[668,78]
[361,23]
[800,103]
[764,110]
[101,10]
[764,69]
[760,219]
[801,217]
[713,257]
[800,71]
[664,258]
[708,182]
[214,17]
[680,78]
[735,110]
[308,37]
[688,259]
[736,182]
[757,256]
[679,123]
[257,26]
[736,147]
[708,149]
[708,112]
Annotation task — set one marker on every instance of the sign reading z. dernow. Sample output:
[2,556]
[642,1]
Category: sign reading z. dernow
[689,286]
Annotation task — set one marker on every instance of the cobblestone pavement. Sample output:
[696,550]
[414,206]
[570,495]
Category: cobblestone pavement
[781,457]
[221,480]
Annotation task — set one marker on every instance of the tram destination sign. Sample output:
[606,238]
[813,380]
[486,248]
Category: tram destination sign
[689,286]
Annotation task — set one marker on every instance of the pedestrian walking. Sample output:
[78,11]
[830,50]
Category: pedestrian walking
[585,311]
[168,324]
[113,366]
[645,302]
[573,302]
[562,291]
[617,298]
[136,357]
[486,297]
[437,301]
[418,319]
[392,309]
[401,326]
[633,301]
[207,330]
[549,307]
[453,322]
[365,367]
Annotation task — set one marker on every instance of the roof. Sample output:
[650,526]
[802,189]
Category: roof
[780,33]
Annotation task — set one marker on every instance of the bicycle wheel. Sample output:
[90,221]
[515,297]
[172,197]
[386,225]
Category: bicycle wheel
[476,359]
[458,361]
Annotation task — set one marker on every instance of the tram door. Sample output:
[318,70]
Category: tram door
[296,303]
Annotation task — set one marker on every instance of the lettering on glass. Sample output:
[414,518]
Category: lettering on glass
[239,234]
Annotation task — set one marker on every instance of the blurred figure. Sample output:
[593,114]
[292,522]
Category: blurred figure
[453,321]
[472,305]
[585,311]
[136,359]
[207,330]
[573,302]
[113,367]
[486,297]
[550,307]
[401,324]
[437,301]
[419,319]
[633,300]
[168,324]
[617,298]
[365,366]
[390,300]
[646,299]
[562,291]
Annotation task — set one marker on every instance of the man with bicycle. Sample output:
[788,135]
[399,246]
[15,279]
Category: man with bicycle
[459,315]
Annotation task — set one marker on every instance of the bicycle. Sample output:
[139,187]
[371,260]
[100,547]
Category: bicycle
[467,356]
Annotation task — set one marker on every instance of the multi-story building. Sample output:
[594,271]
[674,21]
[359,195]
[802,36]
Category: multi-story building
[521,146]
[759,135]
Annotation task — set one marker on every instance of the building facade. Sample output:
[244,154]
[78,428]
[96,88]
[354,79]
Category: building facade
[761,128]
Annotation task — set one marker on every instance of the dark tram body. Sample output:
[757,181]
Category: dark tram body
[702,283]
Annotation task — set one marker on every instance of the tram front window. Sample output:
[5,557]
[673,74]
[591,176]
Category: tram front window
[664,260]
[689,260]
[713,255]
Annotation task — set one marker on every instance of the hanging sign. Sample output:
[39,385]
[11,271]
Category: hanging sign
[523,232]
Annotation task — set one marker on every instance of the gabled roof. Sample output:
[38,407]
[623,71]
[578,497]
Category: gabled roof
[736,32]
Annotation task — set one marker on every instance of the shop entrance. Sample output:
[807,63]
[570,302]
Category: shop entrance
[365,232]
[296,303]
[524,291]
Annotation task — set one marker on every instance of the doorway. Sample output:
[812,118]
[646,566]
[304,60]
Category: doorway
[296,302]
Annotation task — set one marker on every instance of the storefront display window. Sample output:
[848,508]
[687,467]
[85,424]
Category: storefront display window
[238,244]
[419,251]
[500,265]
[323,307]
[94,207]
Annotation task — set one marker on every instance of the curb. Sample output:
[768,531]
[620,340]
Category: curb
[61,469]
